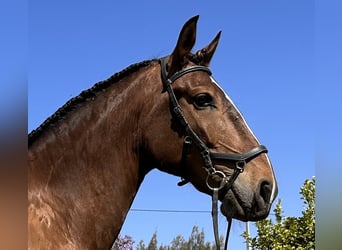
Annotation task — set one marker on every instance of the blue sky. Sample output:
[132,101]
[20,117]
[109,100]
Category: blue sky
[265,62]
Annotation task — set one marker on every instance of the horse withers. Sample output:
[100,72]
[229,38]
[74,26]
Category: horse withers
[87,161]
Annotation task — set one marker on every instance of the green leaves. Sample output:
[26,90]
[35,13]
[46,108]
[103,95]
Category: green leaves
[288,232]
[196,241]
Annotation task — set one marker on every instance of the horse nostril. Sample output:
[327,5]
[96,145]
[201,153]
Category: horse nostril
[265,191]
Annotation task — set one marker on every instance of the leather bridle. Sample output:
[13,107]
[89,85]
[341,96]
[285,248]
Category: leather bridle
[191,138]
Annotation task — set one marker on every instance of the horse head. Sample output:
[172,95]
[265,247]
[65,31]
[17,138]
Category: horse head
[92,154]
[199,134]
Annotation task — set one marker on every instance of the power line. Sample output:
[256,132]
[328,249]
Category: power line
[172,211]
[168,210]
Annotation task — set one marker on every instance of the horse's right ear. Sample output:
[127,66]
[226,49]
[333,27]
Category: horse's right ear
[186,41]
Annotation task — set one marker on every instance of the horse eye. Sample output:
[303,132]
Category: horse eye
[203,100]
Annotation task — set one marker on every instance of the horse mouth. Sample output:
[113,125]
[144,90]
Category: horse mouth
[243,207]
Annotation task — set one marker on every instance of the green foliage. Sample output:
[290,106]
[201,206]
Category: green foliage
[284,233]
[288,232]
[196,241]
[178,243]
[153,245]
[141,245]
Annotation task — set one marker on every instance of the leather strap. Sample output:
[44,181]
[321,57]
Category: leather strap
[191,137]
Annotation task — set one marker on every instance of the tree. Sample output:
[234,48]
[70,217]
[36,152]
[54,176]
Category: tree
[178,243]
[141,245]
[196,241]
[153,245]
[123,243]
[285,233]
[288,232]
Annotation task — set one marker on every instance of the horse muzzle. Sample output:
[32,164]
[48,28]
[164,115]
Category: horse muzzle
[242,203]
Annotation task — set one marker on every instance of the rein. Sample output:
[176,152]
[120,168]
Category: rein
[191,137]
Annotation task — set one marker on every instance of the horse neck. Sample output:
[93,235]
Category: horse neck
[84,171]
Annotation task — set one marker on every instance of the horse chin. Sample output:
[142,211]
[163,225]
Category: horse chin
[235,207]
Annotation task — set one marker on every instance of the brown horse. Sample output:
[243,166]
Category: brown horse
[87,161]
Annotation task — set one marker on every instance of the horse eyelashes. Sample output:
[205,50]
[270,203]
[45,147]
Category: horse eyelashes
[203,100]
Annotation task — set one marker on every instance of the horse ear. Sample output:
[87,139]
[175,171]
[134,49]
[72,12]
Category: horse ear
[186,41]
[204,55]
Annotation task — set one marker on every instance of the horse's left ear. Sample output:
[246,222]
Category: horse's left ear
[204,55]
[186,41]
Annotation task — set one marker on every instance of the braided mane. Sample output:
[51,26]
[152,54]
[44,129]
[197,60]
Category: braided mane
[83,96]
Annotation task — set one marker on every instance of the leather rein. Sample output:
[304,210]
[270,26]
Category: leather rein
[192,138]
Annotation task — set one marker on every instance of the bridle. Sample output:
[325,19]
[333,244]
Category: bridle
[192,138]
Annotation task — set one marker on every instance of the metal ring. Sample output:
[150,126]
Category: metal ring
[187,140]
[240,165]
[223,181]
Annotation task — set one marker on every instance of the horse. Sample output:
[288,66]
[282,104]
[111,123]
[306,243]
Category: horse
[87,161]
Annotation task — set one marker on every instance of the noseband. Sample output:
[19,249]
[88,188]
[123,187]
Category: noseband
[209,157]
